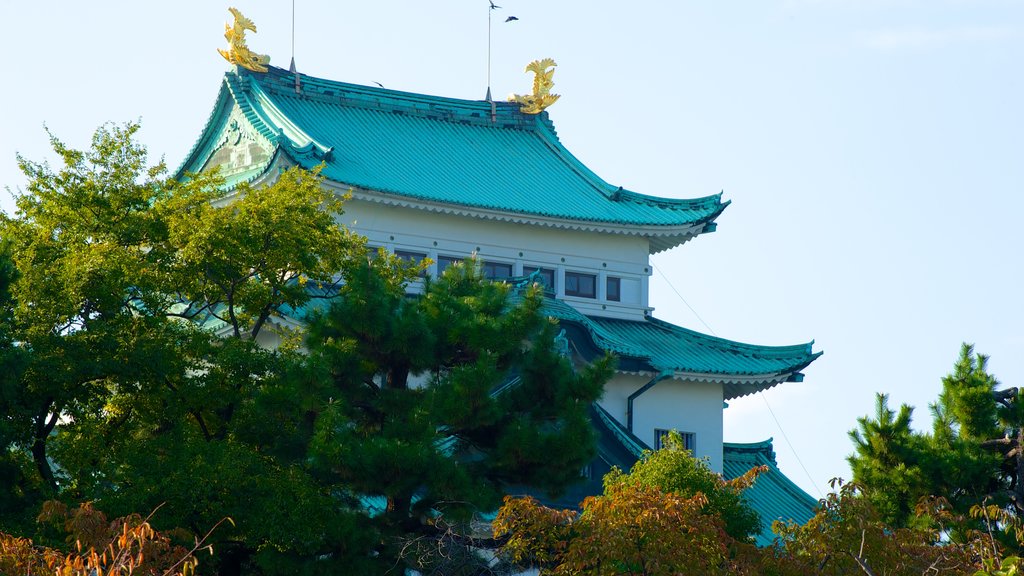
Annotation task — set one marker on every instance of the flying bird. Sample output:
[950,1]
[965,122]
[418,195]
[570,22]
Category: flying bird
[511,18]
[378,83]
[493,5]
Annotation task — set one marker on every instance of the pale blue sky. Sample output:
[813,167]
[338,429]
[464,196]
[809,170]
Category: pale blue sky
[873,151]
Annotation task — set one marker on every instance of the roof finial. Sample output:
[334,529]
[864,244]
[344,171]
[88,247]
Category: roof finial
[542,83]
[238,52]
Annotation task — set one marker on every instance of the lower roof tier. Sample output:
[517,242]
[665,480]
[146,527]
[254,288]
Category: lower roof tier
[655,346]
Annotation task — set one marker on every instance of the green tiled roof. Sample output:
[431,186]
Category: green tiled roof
[773,496]
[445,152]
[741,368]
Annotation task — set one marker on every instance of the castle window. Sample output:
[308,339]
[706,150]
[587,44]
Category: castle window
[689,439]
[613,289]
[547,275]
[414,257]
[579,284]
[496,270]
[443,262]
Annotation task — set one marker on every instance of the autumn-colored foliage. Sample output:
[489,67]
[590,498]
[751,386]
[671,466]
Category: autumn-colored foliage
[630,530]
[96,547]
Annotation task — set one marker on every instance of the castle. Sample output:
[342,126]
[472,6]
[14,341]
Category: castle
[444,179]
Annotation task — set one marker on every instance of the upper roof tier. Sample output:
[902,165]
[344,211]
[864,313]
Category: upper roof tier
[486,157]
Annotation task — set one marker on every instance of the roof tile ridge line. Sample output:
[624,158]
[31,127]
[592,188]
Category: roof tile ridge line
[249,108]
[699,202]
[547,130]
[805,348]
[604,340]
[549,136]
[390,93]
[761,446]
[620,432]
[273,117]
[787,485]
[223,94]
[597,334]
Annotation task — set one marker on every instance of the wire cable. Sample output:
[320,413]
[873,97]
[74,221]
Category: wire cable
[669,282]
[760,392]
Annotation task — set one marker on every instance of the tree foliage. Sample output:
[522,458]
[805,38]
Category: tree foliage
[146,315]
[969,458]
[669,515]
[673,469]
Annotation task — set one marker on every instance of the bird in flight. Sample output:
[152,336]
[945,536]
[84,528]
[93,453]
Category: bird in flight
[493,5]
[511,18]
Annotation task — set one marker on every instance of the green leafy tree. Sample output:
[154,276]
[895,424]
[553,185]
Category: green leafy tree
[148,311]
[669,515]
[848,535]
[673,469]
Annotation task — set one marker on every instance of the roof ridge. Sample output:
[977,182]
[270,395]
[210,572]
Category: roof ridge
[805,348]
[281,82]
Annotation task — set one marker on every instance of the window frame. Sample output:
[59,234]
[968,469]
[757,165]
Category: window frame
[444,261]
[485,265]
[689,439]
[578,291]
[613,281]
[545,274]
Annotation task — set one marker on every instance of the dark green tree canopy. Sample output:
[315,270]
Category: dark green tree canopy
[157,362]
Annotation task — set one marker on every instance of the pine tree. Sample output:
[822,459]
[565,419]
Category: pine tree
[969,458]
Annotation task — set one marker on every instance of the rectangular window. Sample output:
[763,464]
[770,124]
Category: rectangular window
[414,257]
[661,435]
[545,275]
[443,262]
[496,270]
[613,291]
[579,284]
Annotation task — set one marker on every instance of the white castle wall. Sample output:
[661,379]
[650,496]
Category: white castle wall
[625,257]
[671,404]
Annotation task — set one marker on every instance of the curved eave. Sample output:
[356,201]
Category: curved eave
[661,237]
[202,147]
[690,356]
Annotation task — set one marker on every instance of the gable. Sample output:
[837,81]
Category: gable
[237,149]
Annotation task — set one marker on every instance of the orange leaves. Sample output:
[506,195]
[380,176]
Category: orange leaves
[126,545]
[631,529]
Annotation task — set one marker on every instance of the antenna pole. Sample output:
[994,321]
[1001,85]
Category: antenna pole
[489,10]
[292,69]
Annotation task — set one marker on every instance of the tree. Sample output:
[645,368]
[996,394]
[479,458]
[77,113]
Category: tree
[669,515]
[18,493]
[141,308]
[848,535]
[439,402]
[673,469]
[970,458]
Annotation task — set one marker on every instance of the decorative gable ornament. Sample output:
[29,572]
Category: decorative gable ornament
[542,83]
[238,52]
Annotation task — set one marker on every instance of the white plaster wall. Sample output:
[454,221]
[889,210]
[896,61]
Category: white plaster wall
[671,404]
[401,228]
